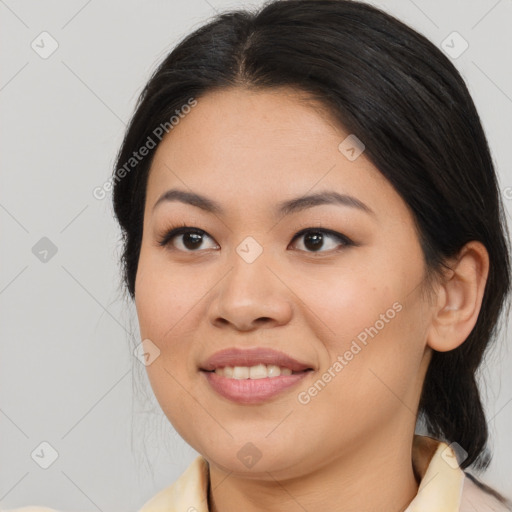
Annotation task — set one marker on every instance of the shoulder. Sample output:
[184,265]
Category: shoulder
[478,497]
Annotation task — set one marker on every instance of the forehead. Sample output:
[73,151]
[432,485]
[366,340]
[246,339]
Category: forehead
[229,123]
[242,145]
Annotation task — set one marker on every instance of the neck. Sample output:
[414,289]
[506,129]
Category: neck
[378,475]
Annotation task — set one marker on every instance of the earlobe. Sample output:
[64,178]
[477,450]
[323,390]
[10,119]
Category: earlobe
[459,298]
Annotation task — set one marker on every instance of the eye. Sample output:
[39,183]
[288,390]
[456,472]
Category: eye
[317,239]
[191,238]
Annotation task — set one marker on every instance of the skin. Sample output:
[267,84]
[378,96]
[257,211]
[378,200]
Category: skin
[249,151]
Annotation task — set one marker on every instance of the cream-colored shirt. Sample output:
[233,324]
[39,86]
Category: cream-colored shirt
[443,487]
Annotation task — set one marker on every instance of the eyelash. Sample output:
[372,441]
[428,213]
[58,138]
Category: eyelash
[173,232]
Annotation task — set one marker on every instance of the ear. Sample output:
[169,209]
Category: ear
[459,298]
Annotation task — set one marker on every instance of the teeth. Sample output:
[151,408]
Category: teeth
[259,371]
[240,372]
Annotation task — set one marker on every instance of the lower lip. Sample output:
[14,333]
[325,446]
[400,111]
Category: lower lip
[252,391]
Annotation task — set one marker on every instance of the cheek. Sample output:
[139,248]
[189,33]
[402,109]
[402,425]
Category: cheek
[374,317]
[347,300]
[163,296]
[164,301]
[372,351]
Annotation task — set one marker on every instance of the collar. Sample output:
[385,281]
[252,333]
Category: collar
[434,462]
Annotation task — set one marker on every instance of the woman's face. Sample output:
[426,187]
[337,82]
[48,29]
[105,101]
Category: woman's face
[350,309]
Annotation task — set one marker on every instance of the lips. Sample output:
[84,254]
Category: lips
[252,357]
[257,389]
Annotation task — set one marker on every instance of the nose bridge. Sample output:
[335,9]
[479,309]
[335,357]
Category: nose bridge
[249,278]
[250,291]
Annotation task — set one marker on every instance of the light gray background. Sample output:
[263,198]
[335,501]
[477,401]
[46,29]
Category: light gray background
[67,375]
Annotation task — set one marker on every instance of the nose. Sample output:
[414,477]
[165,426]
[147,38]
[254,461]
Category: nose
[251,296]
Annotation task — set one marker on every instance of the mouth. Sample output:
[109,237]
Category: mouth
[253,376]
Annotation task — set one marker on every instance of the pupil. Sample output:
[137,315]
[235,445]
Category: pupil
[192,240]
[317,240]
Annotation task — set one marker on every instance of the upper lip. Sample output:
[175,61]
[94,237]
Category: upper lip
[252,357]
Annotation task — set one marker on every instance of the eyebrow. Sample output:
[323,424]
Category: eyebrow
[285,208]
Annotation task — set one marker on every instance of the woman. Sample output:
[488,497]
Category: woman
[317,252]
[316,247]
